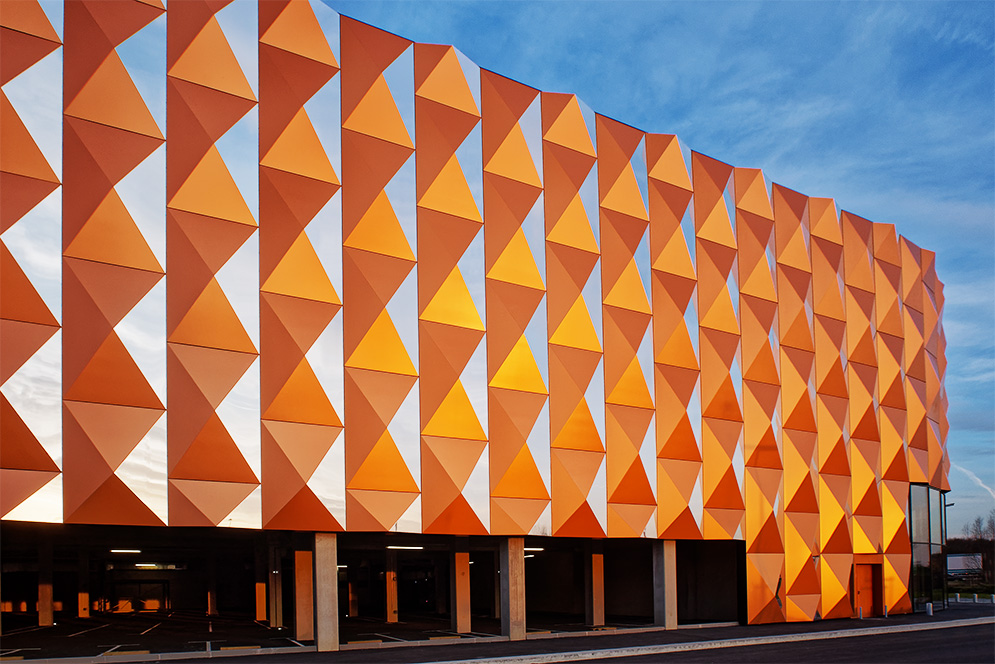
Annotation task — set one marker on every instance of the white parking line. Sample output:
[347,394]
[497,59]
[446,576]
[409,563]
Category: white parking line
[150,629]
[92,629]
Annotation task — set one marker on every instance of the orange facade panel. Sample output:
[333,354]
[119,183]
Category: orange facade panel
[384,289]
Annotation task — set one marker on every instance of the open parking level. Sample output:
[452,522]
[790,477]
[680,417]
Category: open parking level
[195,638]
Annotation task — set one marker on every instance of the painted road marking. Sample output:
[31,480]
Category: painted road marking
[92,629]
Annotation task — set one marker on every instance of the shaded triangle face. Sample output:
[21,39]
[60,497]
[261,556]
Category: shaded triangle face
[209,190]
[304,511]
[113,288]
[17,485]
[29,39]
[457,457]
[634,488]
[296,30]
[21,154]
[214,371]
[205,503]
[379,231]
[519,371]
[459,518]
[444,83]
[455,417]
[452,304]
[304,445]
[302,399]
[298,150]
[449,193]
[513,160]
[580,432]
[113,430]
[213,456]
[20,301]
[384,469]
[522,479]
[381,349]
[376,115]
[376,510]
[111,236]
[128,111]
[19,448]
[113,503]
[111,376]
[582,523]
[568,128]
[300,274]
[212,322]
[209,61]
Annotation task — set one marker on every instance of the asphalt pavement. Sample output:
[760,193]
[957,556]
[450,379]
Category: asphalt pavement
[963,633]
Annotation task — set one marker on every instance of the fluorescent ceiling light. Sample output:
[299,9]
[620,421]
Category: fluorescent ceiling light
[126,550]
[534,548]
[405,548]
[146,565]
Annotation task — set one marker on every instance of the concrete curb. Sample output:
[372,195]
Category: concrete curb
[612,653]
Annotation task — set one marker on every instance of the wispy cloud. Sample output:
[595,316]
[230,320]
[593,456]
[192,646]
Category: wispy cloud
[974,478]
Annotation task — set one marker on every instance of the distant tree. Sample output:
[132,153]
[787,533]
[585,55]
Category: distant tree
[979,537]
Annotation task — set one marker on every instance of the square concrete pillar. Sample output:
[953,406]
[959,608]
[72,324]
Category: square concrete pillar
[83,586]
[260,580]
[46,603]
[594,584]
[304,595]
[513,588]
[326,601]
[665,583]
[459,585]
[390,581]
[275,585]
[212,585]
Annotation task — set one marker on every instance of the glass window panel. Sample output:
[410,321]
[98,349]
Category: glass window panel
[921,577]
[938,571]
[920,512]
[935,521]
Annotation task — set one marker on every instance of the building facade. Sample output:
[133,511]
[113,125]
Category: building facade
[270,268]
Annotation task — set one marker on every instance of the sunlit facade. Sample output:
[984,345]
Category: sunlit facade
[287,271]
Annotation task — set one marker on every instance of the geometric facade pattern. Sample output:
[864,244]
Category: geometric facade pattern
[337,280]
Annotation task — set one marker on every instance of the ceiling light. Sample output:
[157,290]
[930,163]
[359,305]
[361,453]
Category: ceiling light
[405,548]
[126,550]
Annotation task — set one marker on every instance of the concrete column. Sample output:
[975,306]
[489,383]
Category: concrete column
[513,588]
[83,586]
[665,583]
[353,600]
[260,582]
[497,584]
[594,584]
[441,596]
[326,601]
[390,579]
[212,585]
[304,595]
[459,586]
[275,587]
[46,605]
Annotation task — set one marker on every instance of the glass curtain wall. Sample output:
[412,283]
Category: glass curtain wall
[929,538]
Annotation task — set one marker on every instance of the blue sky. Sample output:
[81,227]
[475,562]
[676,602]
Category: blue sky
[888,107]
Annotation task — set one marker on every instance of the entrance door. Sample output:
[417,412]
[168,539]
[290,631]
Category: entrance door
[866,589]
